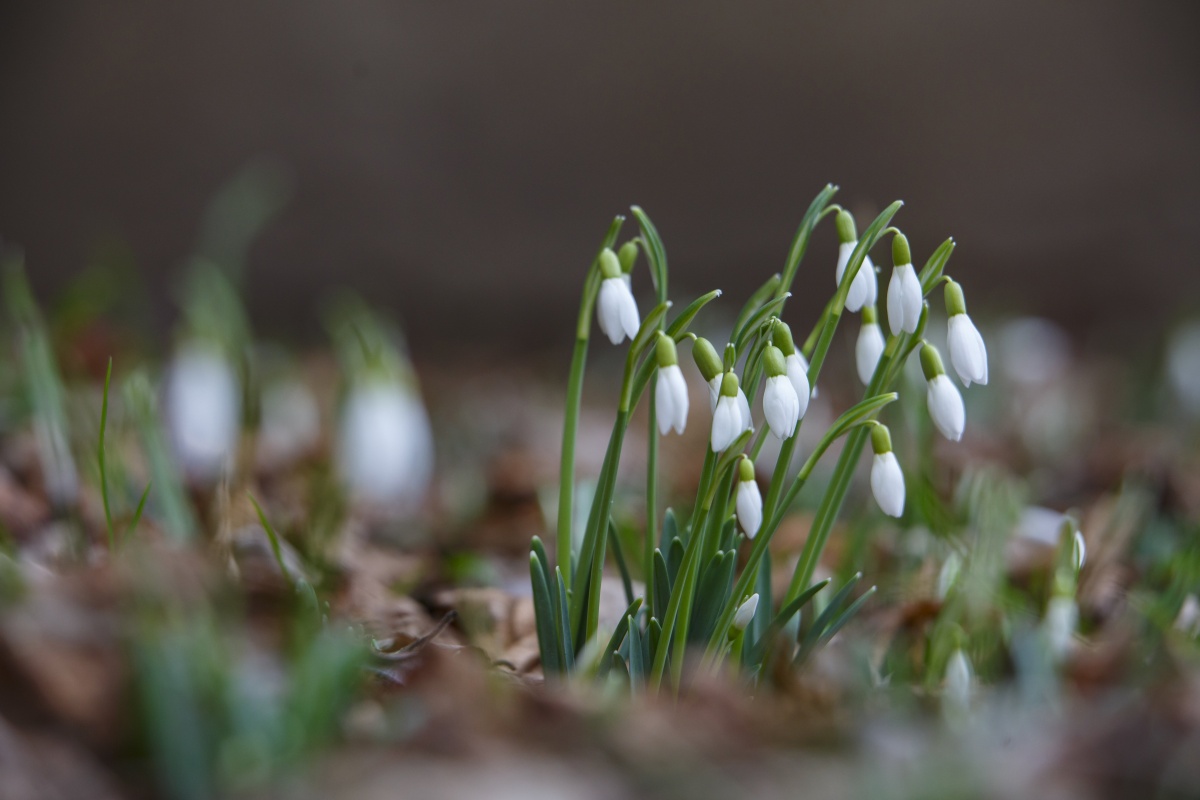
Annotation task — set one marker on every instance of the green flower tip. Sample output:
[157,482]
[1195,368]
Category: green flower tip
[845,227]
[729,385]
[931,362]
[869,315]
[901,254]
[745,470]
[610,266]
[627,255]
[781,337]
[881,439]
[955,302]
[773,361]
[664,351]
[706,358]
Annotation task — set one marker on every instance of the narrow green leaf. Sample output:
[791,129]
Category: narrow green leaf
[538,548]
[545,619]
[637,656]
[713,592]
[935,266]
[678,326]
[564,624]
[670,529]
[137,513]
[655,251]
[614,538]
[101,461]
[276,550]
[662,585]
[617,637]
[761,295]
[813,634]
[674,560]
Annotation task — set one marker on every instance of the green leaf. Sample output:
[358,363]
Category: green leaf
[617,637]
[276,550]
[761,295]
[656,253]
[637,656]
[678,326]
[753,325]
[812,637]
[674,560]
[662,585]
[713,592]
[670,529]
[935,266]
[545,619]
[539,549]
[615,539]
[564,623]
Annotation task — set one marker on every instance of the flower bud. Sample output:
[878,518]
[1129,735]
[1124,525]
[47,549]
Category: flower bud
[905,296]
[869,347]
[706,358]
[968,353]
[627,256]
[670,393]
[745,613]
[749,499]
[944,402]
[887,479]
[727,422]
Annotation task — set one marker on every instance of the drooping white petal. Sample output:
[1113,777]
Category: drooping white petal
[616,310]
[749,507]
[797,372]
[866,274]
[714,391]
[203,409]
[781,406]
[867,351]
[1079,551]
[887,484]
[671,396]
[385,452]
[745,612]
[968,353]
[946,407]
[726,424]
[1059,625]
[904,299]
[744,409]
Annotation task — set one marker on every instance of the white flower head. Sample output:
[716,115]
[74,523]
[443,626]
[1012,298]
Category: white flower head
[945,403]
[1059,625]
[385,452]
[968,353]
[887,479]
[869,347]
[727,422]
[203,400]
[1187,620]
[616,310]
[745,612]
[958,680]
[863,289]
[671,394]
[795,363]
[781,405]
[1078,550]
[749,499]
[905,296]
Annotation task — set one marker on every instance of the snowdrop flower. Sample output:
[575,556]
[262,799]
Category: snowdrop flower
[887,479]
[968,354]
[870,345]
[958,680]
[1188,619]
[710,366]
[948,575]
[385,452]
[745,613]
[203,405]
[1078,550]
[749,499]
[863,289]
[905,296]
[796,364]
[944,401]
[290,422]
[616,310]
[671,394]
[1059,625]
[781,406]
[727,422]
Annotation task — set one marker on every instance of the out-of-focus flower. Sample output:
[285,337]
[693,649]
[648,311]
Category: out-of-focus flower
[203,409]
[1059,625]
[385,452]
[749,499]
[291,422]
[616,310]
[958,680]
[887,479]
[905,297]
[1188,618]
[945,403]
[869,347]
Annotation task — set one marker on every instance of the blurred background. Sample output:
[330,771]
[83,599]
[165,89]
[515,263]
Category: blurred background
[458,163]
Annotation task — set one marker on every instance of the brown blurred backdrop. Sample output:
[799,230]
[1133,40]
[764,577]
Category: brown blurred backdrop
[458,162]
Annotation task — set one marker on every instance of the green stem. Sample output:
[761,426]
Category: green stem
[566,488]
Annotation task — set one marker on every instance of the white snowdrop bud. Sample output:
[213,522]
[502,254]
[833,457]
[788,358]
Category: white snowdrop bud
[745,612]
[968,354]
[905,296]
[616,310]
[958,680]
[671,395]
[869,347]
[863,289]
[727,416]
[887,479]
[945,403]
[1059,625]
[749,499]
[385,454]
[781,405]
[796,363]
[203,409]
